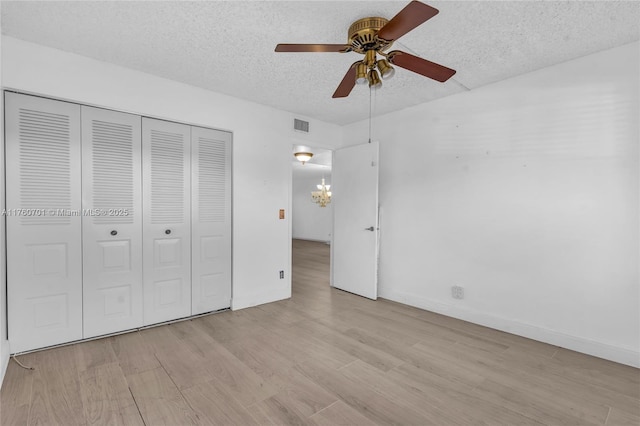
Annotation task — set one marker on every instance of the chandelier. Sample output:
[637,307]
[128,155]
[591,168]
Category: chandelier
[322,196]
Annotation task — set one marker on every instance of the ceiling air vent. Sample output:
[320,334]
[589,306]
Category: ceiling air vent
[301,125]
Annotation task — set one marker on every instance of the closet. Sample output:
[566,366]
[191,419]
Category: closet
[167,224]
[114,221]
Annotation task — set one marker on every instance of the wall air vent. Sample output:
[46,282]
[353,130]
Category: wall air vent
[300,125]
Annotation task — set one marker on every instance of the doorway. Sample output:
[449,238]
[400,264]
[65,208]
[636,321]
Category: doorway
[312,225]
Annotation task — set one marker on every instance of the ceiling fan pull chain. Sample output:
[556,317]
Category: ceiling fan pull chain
[370,90]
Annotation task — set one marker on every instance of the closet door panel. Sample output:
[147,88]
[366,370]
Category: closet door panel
[112,222]
[44,242]
[211,219]
[167,220]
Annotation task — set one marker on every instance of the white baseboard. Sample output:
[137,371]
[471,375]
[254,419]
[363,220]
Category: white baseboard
[312,239]
[256,299]
[622,355]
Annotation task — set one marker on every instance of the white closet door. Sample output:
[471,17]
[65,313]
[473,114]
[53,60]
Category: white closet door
[44,242]
[167,220]
[211,220]
[112,224]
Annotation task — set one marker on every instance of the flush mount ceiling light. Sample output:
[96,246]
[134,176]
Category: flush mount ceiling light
[303,157]
[373,36]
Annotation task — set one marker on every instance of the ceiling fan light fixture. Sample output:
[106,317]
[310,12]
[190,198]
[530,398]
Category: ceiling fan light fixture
[370,58]
[303,157]
[374,80]
[386,70]
[361,73]
[373,36]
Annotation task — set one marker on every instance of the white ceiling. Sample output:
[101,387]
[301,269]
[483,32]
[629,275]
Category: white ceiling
[228,47]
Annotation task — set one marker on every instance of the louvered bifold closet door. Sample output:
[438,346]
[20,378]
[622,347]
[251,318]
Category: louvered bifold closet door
[167,220]
[112,224]
[211,219]
[44,242]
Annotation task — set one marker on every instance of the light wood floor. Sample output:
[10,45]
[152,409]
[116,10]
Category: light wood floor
[322,357]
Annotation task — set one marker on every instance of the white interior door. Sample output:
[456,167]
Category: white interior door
[167,220]
[211,220]
[354,250]
[112,224]
[44,242]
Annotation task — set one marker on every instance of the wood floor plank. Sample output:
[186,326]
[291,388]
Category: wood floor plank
[185,367]
[231,325]
[133,353]
[198,358]
[340,414]
[279,409]
[159,400]
[211,401]
[360,372]
[377,358]
[295,390]
[361,398]
[603,373]
[322,357]
[56,398]
[378,326]
[543,373]
[456,397]
[94,353]
[161,338]
[449,323]
[300,345]
[544,407]
[438,331]
[15,396]
[285,312]
[618,417]
[106,397]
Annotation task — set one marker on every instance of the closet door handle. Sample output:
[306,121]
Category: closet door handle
[168,231]
[114,232]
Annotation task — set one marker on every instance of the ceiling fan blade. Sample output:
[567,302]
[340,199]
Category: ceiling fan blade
[414,14]
[313,48]
[347,83]
[421,66]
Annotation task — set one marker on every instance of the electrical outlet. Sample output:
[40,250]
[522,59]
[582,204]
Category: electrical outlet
[281,275]
[457,292]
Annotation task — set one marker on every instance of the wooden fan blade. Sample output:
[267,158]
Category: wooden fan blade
[341,48]
[414,14]
[421,66]
[347,83]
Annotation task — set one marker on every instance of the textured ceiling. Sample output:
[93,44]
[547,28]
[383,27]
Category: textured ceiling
[228,47]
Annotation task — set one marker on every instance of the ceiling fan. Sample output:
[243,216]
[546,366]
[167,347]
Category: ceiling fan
[372,37]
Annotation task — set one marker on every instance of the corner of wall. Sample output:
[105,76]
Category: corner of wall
[4,343]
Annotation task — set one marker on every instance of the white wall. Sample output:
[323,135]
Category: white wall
[4,343]
[525,193]
[261,148]
[309,220]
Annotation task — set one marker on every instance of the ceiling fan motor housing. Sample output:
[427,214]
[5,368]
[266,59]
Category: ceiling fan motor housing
[363,35]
